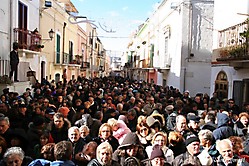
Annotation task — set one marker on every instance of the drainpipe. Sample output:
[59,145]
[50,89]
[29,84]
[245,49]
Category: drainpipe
[63,42]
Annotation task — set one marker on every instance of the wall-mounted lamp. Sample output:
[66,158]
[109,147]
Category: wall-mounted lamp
[50,34]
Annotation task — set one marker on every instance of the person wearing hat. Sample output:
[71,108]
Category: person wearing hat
[192,143]
[171,118]
[223,129]
[193,123]
[156,158]
[130,150]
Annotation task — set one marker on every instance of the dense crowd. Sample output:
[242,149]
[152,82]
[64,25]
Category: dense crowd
[116,121]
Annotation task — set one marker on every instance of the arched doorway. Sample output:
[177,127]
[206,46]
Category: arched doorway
[221,85]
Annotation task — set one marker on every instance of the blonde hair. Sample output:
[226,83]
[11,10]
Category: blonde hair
[112,122]
[105,125]
[102,146]
[159,134]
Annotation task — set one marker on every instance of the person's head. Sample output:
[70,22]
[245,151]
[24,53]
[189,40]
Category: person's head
[89,150]
[159,138]
[193,122]
[105,131]
[206,137]
[15,46]
[104,153]
[4,124]
[13,156]
[225,149]
[64,111]
[63,150]
[113,123]
[231,103]
[151,100]
[47,151]
[175,138]
[210,117]
[157,157]
[192,144]
[60,99]
[120,106]
[237,143]
[84,131]
[131,115]
[59,120]
[142,128]
[74,134]
[3,146]
[44,138]
[244,117]
[181,123]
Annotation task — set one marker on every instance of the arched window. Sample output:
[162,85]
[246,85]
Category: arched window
[221,85]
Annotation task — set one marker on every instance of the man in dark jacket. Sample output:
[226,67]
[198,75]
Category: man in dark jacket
[223,131]
[14,61]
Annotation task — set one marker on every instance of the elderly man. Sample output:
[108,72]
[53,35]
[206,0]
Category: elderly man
[76,140]
[193,149]
[103,156]
[181,125]
[226,157]
[206,143]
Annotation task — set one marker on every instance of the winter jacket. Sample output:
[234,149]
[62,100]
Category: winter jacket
[121,132]
[223,131]
[186,158]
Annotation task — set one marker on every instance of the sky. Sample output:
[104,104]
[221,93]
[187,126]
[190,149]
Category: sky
[116,20]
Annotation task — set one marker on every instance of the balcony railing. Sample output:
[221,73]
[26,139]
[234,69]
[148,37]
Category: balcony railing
[28,40]
[234,43]
[68,59]
[85,65]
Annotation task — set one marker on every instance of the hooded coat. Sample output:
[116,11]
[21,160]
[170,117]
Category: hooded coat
[223,131]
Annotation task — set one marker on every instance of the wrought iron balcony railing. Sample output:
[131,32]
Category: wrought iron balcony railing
[234,43]
[29,40]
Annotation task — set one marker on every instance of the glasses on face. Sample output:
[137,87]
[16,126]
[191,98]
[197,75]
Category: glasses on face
[143,130]
[159,140]
[231,102]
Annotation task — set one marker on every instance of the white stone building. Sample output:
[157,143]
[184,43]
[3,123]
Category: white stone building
[229,76]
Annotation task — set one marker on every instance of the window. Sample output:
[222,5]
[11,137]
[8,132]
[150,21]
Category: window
[221,85]
[22,24]
[58,45]
[70,51]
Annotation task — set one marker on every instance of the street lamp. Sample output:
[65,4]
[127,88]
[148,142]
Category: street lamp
[51,34]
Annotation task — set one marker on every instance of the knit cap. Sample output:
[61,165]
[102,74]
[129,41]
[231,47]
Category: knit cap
[191,138]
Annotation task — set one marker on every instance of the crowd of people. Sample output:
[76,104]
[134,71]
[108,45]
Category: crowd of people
[117,121]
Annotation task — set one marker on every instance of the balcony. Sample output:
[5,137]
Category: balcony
[68,60]
[28,40]
[85,65]
[233,45]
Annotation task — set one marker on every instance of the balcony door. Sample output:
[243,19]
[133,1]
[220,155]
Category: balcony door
[22,24]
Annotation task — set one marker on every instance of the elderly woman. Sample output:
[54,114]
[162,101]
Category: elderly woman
[103,156]
[15,156]
[106,135]
[160,139]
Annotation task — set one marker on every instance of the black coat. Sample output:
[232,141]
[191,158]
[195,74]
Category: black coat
[14,58]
